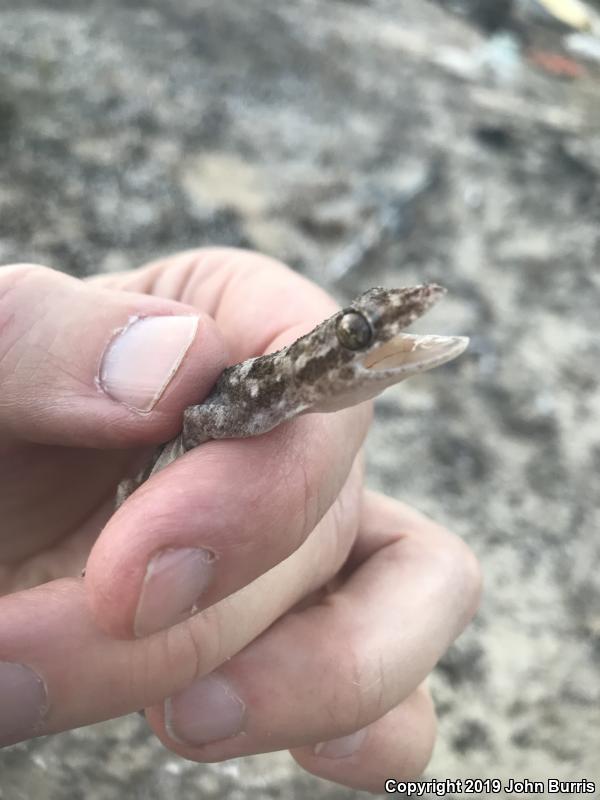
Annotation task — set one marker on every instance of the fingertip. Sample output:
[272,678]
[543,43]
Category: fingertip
[84,365]
[156,367]
[396,748]
[142,359]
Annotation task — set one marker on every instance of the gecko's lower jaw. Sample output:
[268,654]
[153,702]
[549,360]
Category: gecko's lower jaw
[410,353]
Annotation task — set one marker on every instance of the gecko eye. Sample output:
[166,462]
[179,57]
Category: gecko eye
[354,331]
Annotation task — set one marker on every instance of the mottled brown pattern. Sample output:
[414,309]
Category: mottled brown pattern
[237,390]
[314,373]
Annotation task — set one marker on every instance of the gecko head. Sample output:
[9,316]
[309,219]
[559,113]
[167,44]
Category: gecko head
[376,352]
[373,328]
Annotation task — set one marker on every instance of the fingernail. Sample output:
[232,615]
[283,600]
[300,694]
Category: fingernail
[342,747]
[207,711]
[174,582]
[140,362]
[23,703]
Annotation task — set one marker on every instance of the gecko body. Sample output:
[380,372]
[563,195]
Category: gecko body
[350,357]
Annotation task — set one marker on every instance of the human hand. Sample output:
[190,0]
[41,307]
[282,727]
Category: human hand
[301,576]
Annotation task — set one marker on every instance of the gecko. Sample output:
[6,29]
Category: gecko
[349,358]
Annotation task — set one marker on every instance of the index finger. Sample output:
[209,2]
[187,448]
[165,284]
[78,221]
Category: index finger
[228,511]
[258,302]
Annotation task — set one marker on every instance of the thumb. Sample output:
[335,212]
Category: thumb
[82,365]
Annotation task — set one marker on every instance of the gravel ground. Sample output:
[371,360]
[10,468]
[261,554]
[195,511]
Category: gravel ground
[382,142]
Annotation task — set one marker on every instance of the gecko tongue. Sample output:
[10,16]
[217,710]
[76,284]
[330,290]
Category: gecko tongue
[413,353]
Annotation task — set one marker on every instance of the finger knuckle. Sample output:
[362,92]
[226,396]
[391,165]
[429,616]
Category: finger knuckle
[15,279]
[14,273]
[23,288]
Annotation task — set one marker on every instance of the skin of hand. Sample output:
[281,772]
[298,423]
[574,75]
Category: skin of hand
[324,606]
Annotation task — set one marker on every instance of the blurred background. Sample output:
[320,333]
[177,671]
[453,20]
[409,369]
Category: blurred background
[364,142]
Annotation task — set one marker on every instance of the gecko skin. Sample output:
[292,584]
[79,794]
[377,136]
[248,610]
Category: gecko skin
[347,359]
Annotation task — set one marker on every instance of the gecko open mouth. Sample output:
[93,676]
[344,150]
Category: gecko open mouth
[414,353]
